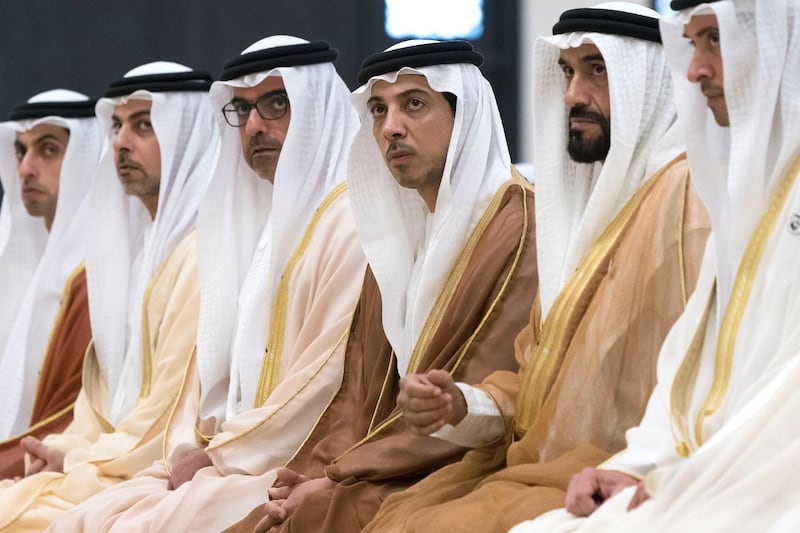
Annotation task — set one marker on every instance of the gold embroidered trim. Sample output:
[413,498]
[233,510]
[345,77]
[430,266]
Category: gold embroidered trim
[436,314]
[345,338]
[565,313]
[392,360]
[147,355]
[740,294]
[311,378]
[90,366]
[41,423]
[66,294]
[681,229]
[511,271]
[174,408]
[270,367]
[447,292]
[684,381]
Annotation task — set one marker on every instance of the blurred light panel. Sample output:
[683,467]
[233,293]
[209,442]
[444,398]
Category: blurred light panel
[662,6]
[434,19]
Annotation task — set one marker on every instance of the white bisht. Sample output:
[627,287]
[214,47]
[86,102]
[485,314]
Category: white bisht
[409,249]
[575,202]
[32,317]
[248,228]
[126,248]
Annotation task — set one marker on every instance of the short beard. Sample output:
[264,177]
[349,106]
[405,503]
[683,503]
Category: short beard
[583,150]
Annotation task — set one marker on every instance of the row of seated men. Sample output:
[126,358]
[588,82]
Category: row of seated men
[264,303]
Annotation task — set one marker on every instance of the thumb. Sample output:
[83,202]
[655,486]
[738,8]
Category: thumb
[32,445]
[285,477]
[440,378]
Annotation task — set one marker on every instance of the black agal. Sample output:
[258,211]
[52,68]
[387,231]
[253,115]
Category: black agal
[422,55]
[608,21]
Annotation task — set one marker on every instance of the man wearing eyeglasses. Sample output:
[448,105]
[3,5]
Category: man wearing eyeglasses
[281,269]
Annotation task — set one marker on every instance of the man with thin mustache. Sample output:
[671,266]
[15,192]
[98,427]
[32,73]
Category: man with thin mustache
[447,228]
[57,141]
[143,294]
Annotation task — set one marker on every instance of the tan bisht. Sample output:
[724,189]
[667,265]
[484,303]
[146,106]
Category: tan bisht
[591,365]
[606,328]
[361,441]
[141,272]
[59,377]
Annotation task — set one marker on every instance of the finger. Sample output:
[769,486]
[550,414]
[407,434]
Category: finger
[279,493]
[35,467]
[264,525]
[276,511]
[582,493]
[418,389]
[426,418]
[286,477]
[428,429]
[32,445]
[639,497]
[440,378]
[422,405]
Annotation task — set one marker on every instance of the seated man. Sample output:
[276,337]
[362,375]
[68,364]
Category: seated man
[716,448]
[448,231]
[283,112]
[143,297]
[57,141]
[620,238]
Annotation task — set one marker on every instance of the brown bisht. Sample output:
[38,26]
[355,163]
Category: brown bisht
[603,337]
[361,440]
[60,374]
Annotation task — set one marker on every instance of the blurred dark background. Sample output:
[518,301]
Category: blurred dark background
[85,44]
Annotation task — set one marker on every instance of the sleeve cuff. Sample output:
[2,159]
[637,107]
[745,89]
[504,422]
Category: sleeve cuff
[482,424]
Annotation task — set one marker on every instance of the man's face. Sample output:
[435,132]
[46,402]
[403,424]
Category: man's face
[262,139]
[136,151]
[40,152]
[587,100]
[706,65]
[412,126]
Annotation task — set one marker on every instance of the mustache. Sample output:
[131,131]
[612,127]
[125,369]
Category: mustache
[710,90]
[29,182]
[585,112]
[398,146]
[124,158]
[262,141]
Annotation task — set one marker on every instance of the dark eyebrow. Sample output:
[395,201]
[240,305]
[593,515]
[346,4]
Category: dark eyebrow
[706,30]
[592,57]
[404,94]
[139,114]
[132,116]
[276,92]
[46,137]
[19,147]
[583,59]
[413,91]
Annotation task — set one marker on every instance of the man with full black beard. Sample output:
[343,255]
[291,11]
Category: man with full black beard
[620,238]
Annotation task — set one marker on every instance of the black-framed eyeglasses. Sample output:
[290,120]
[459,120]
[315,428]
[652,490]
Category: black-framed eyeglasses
[270,106]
